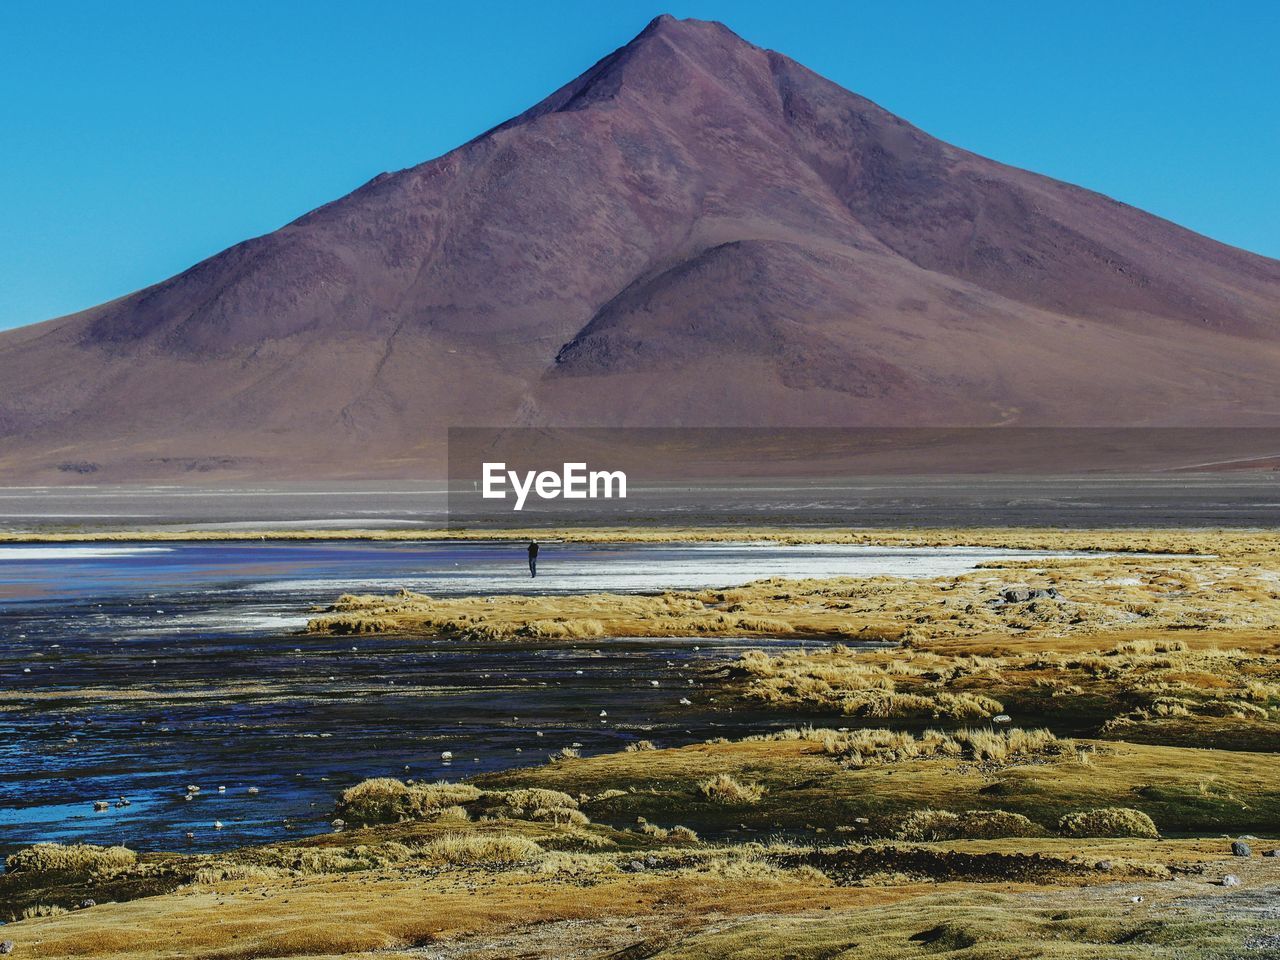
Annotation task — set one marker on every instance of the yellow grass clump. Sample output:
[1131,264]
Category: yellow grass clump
[387,800]
[868,747]
[482,849]
[930,825]
[1108,822]
[725,789]
[79,858]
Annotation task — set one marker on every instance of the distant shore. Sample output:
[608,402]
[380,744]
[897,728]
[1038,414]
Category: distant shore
[1043,538]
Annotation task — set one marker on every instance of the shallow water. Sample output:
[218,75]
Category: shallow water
[134,671]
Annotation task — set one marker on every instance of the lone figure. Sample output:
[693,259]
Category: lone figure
[533,558]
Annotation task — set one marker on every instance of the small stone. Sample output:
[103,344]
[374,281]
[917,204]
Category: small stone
[101,805]
[635,866]
[1271,853]
[1105,865]
[1231,880]
[86,904]
[6,946]
[1241,849]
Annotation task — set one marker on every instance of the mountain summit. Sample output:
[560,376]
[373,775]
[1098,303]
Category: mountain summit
[696,231]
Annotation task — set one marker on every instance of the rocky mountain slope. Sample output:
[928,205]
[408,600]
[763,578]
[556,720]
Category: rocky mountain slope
[696,231]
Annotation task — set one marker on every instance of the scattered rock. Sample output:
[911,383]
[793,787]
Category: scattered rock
[101,805]
[1231,880]
[1271,853]
[1241,849]
[6,946]
[635,866]
[1104,865]
[1023,594]
[86,904]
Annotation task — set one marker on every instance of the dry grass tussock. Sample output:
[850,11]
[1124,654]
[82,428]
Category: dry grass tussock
[930,825]
[858,686]
[725,789]
[490,849]
[387,800]
[1108,822]
[42,910]
[991,748]
[78,858]
[1135,681]
[482,848]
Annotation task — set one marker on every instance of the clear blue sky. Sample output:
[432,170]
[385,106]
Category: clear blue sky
[138,137]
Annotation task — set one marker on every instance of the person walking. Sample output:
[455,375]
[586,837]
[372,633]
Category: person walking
[533,558]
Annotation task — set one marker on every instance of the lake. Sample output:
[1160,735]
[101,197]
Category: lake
[136,670]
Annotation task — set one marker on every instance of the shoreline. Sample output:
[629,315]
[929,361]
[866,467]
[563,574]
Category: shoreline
[1086,539]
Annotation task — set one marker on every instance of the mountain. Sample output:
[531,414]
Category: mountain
[696,231]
